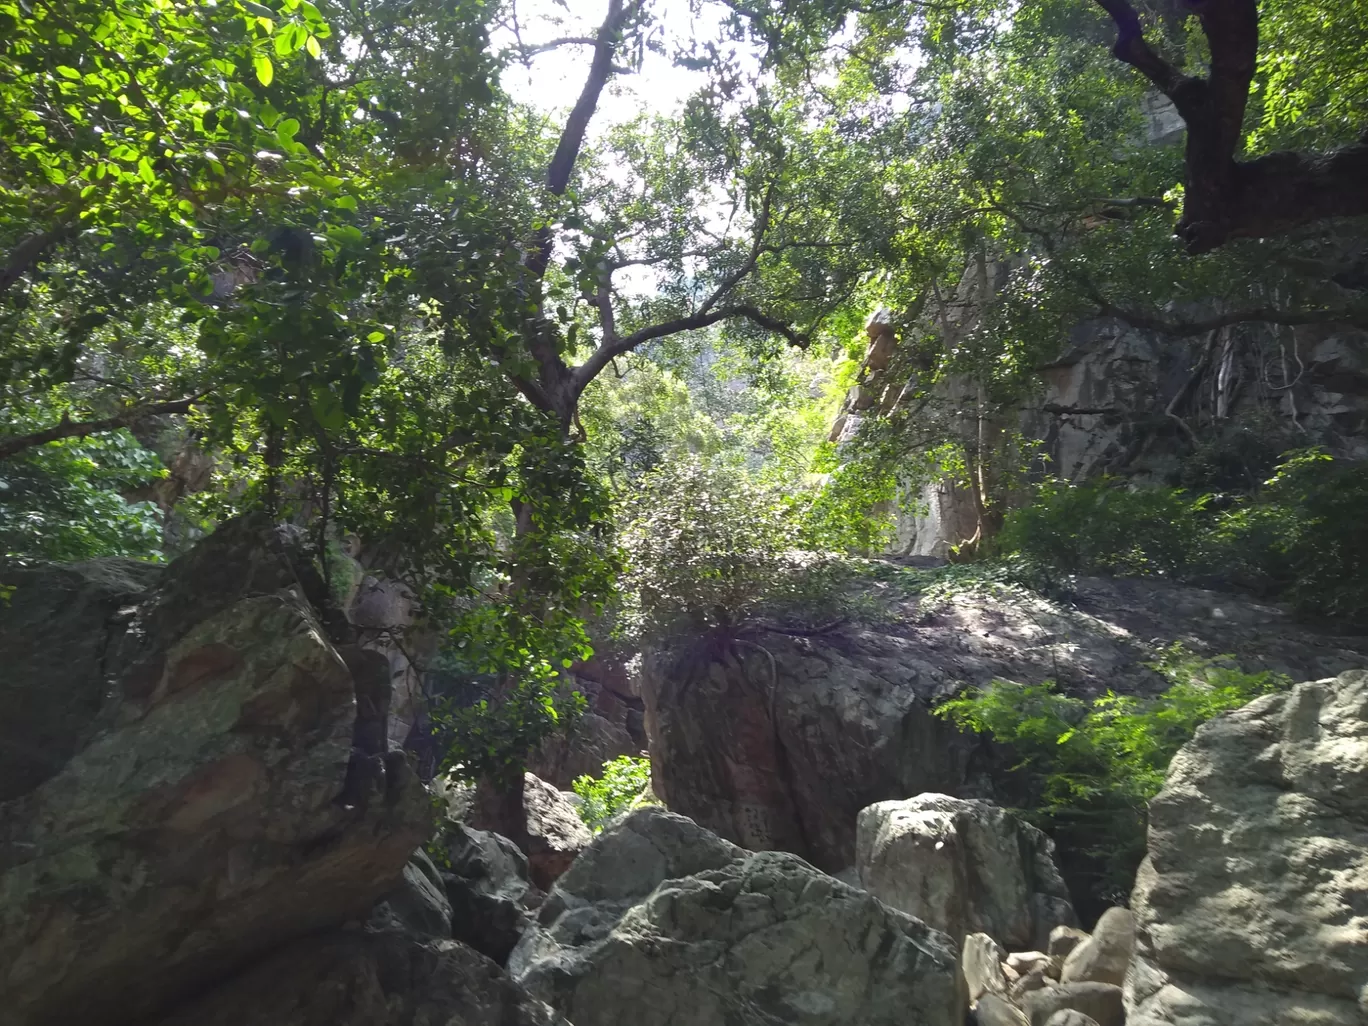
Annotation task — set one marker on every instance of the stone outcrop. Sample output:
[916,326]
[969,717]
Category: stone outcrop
[367,978]
[963,867]
[660,922]
[189,778]
[1252,905]
[1105,956]
[780,742]
[556,834]
[419,905]
[488,888]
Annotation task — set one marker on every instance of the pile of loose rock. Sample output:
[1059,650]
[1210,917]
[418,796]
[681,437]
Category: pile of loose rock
[1075,981]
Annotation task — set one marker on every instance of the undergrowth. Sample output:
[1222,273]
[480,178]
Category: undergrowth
[625,784]
[1091,766]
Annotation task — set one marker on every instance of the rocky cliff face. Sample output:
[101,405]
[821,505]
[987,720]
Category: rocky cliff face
[1116,399]
[778,741]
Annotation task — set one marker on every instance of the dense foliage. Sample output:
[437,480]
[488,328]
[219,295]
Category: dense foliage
[1298,537]
[1092,765]
[624,785]
[548,370]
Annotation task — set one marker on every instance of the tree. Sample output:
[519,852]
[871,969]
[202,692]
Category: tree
[1226,197]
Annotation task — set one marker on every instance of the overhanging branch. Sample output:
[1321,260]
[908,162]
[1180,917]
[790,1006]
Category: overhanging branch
[67,428]
[587,371]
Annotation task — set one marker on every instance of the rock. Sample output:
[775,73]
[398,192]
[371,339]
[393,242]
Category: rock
[364,978]
[1028,961]
[613,724]
[962,867]
[1070,1017]
[1009,973]
[1100,1001]
[556,834]
[1064,939]
[1105,956]
[487,884]
[783,756]
[1036,979]
[981,963]
[197,798]
[661,922]
[1250,905]
[419,905]
[993,1010]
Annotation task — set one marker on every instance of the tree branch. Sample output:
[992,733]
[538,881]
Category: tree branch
[577,124]
[27,253]
[67,428]
[1264,315]
[587,371]
[1225,198]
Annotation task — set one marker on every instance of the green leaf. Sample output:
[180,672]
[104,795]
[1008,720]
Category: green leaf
[145,171]
[265,71]
[311,44]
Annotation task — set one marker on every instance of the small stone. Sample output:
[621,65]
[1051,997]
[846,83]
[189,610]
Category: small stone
[1070,1017]
[1030,981]
[1011,974]
[1028,961]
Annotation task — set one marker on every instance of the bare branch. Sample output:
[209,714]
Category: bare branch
[67,428]
[527,51]
[757,247]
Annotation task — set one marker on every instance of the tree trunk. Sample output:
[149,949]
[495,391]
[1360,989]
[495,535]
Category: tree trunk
[499,807]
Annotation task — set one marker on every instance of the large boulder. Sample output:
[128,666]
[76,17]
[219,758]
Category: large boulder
[367,978]
[555,832]
[963,867]
[661,923]
[419,905]
[200,784]
[779,742]
[1252,905]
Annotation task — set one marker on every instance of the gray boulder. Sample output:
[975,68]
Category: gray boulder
[487,884]
[419,905]
[1099,1001]
[556,834]
[198,795]
[1105,956]
[995,1010]
[660,923]
[963,866]
[367,978]
[1252,904]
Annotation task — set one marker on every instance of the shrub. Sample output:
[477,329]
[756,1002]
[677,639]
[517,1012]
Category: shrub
[1104,527]
[1299,537]
[1091,767]
[708,549]
[625,784]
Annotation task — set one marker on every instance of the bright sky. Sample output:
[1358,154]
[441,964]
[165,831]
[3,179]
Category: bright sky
[556,77]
